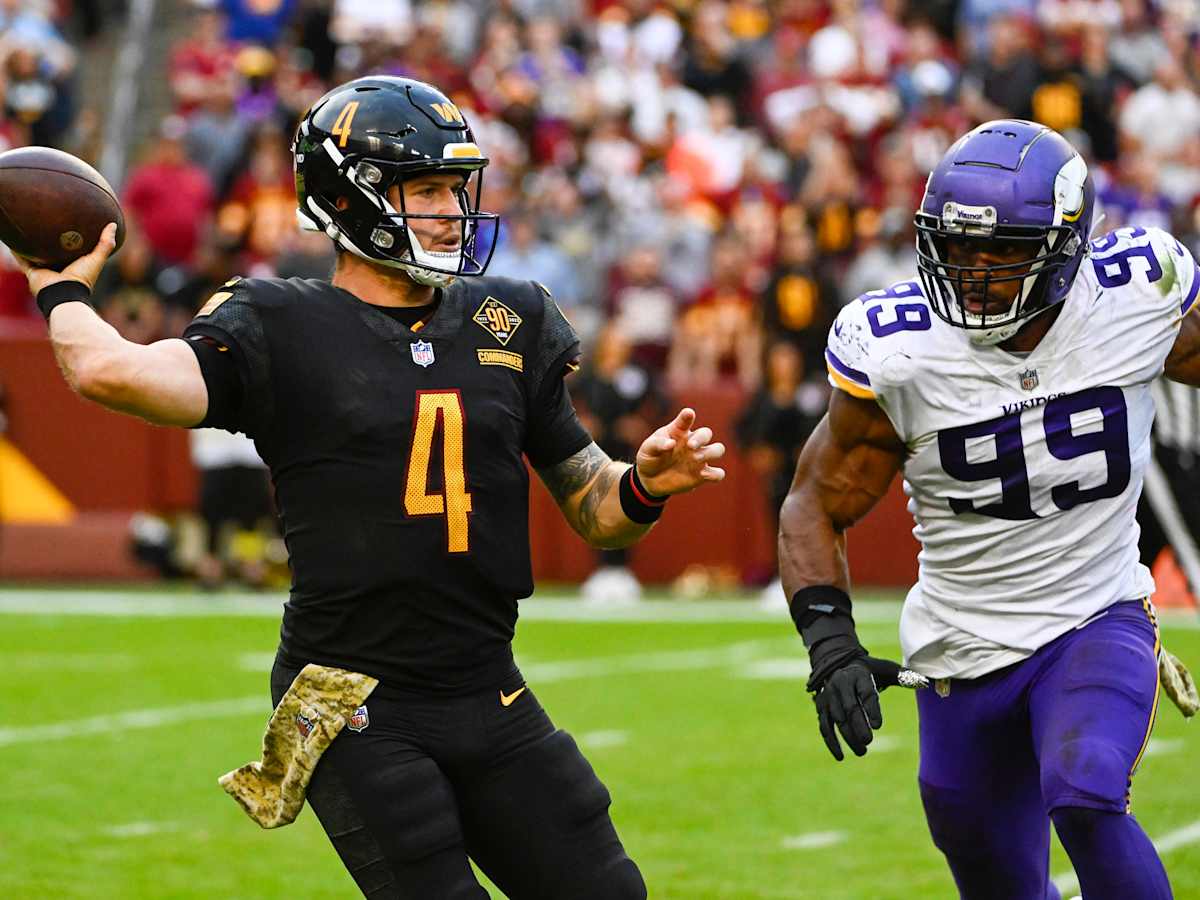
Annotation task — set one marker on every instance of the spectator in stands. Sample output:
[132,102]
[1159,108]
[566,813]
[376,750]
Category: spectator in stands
[259,21]
[777,421]
[169,197]
[261,206]
[642,307]
[525,254]
[1134,198]
[359,21]
[1102,84]
[1137,46]
[35,95]
[1002,83]
[128,294]
[616,399]
[800,300]
[1162,118]
[718,337]
[714,65]
[887,253]
[217,134]
[200,63]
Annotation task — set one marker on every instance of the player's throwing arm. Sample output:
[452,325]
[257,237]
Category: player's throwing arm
[160,382]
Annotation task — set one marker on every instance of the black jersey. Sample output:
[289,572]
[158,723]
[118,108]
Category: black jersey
[396,456]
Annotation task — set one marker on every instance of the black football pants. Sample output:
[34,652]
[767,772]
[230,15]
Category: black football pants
[430,781]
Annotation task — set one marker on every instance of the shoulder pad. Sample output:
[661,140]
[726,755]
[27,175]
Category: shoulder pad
[871,328]
[525,297]
[1147,257]
[260,293]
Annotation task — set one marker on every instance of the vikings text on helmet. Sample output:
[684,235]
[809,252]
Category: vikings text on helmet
[1012,183]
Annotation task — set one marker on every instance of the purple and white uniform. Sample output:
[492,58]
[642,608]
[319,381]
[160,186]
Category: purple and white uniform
[1023,474]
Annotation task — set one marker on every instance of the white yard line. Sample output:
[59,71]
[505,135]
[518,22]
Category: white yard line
[814,840]
[68,662]
[546,607]
[545,672]
[137,718]
[636,663]
[1066,882]
[784,668]
[596,740]
[140,829]
[1164,746]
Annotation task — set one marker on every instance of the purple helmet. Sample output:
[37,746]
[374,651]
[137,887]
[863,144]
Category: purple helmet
[1012,183]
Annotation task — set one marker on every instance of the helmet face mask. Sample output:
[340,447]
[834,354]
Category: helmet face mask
[1016,195]
[374,133]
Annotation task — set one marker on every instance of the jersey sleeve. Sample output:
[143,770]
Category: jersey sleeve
[1179,267]
[848,354]
[230,319]
[556,351]
[554,431]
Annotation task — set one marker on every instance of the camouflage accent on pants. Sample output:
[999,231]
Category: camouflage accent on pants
[309,716]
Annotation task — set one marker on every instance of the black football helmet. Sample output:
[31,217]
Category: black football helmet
[369,134]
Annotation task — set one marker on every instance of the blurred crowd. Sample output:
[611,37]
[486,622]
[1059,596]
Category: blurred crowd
[40,42]
[701,183]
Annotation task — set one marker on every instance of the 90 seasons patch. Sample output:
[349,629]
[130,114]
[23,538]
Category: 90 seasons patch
[497,320]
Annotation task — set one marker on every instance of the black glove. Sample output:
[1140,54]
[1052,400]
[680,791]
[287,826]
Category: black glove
[845,680]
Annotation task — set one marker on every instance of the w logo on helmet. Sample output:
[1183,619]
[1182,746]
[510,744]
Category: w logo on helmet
[449,113]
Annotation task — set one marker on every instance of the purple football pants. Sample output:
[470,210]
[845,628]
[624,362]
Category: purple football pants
[1057,735]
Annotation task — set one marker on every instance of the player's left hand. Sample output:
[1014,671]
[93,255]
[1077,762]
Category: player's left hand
[676,458]
[848,701]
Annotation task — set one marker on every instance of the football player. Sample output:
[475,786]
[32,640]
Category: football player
[1010,384]
[396,405]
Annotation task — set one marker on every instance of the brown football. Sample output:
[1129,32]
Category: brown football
[53,206]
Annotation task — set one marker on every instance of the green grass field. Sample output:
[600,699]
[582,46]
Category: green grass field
[120,710]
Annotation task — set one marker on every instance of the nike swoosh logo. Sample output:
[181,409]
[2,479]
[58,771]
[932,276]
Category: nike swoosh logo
[837,329]
[507,699]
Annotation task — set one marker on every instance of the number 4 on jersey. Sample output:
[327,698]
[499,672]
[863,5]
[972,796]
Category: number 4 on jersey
[453,501]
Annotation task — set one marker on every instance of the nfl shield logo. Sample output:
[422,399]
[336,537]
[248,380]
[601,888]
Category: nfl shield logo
[305,724]
[422,353]
[360,720]
[1029,379]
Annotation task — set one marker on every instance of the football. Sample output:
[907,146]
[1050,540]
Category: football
[53,206]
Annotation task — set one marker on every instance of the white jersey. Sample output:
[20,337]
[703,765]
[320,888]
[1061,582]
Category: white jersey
[1023,472]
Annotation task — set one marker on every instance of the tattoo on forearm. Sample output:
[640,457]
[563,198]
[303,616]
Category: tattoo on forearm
[573,474]
[589,509]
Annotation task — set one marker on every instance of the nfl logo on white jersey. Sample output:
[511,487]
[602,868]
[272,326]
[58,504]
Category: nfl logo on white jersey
[422,353]
[1029,379]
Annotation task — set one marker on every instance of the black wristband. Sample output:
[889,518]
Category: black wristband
[638,504]
[62,292]
[811,604]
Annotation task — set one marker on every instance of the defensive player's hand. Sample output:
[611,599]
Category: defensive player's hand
[848,702]
[675,458]
[86,269]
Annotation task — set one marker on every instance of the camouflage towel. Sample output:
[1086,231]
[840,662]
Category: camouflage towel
[1177,681]
[309,716]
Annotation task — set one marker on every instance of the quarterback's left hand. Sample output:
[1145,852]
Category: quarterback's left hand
[675,458]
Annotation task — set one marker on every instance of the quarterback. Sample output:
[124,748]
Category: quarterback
[396,405]
[1010,384]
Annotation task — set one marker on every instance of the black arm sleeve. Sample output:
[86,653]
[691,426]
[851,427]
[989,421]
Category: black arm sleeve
[231,320]
[224,383]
